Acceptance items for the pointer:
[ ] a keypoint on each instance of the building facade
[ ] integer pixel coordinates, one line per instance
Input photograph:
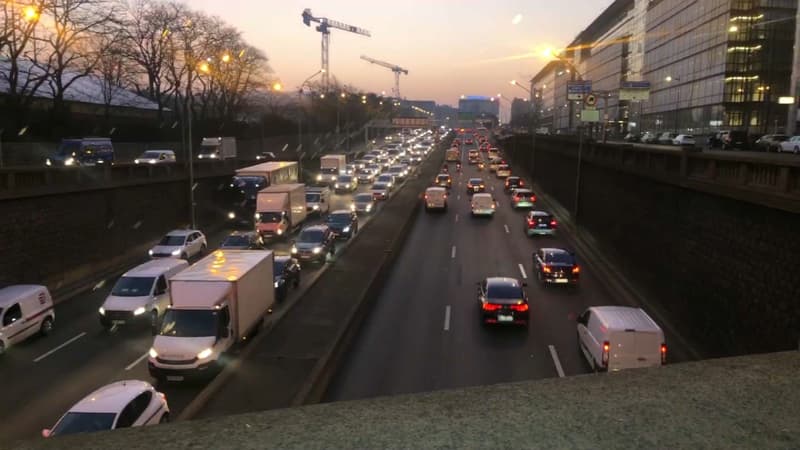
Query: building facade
(478, 106)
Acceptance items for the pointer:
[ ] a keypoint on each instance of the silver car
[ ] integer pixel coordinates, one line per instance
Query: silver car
(363, 203)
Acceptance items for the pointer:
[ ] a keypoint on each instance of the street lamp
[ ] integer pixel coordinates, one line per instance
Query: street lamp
(300, 115)
(670, 79)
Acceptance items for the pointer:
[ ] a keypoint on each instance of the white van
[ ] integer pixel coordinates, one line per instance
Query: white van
(25, 310)
(620, 337)
(140, 294)
(436, 198)
(483, 204)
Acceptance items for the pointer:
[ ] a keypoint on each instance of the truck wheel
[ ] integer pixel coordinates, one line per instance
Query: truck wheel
(47, 326)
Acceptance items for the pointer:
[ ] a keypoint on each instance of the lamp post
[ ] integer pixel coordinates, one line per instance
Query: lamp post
(670, 79)
(300, 114)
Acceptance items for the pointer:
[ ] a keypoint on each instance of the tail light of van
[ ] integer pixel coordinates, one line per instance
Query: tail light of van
(606, 350)
(490, 307)
(663, 353)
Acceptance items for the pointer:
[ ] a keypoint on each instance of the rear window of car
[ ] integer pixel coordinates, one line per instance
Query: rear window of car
(504, 291)
(559, 257)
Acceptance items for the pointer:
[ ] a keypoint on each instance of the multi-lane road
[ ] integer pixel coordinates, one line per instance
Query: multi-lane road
(424, 333)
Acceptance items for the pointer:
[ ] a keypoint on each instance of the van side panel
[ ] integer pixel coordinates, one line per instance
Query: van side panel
(254, 296)
(634, 349)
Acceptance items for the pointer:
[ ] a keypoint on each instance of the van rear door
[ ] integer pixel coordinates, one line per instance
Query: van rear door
(631, 349)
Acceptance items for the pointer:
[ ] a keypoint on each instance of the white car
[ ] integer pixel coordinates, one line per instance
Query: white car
(182, 244)
(156, 157)
(792, 145)
(683, 139)
(124, 404)
(483, 204)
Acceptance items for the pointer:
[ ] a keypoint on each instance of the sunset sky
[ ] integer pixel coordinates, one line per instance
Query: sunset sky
(450, 47)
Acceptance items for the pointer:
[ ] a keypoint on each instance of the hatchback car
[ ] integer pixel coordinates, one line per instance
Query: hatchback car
(242, 240)
(503, 301)
(475, 185)
(556, 265)
(182, 244)
(790, 145)
(314, 243)
(513, 183)
(343, 223)
(443, 180)
(286, 274)
(400, 172)
(365, 176)
(124, 404)
(523, 198)
(379, 191)
(363, 203)
(683, 139)
(540, 223)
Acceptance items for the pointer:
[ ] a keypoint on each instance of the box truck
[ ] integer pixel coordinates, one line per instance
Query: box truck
(453, 154)
(330, 166)
(217, 148)
(214, 304)
(280, 209)
(243, 188)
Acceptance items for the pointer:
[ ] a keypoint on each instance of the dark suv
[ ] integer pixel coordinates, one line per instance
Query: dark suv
(314, 244)
(556, 265)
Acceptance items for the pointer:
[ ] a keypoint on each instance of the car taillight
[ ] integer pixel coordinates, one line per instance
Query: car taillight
(576, 269)
(533, 198)
(490, 307)
(606, 350)
(546, 269)
(531, 223)
(553, 223)
(521, 183)
(663, 353)
(522, 307)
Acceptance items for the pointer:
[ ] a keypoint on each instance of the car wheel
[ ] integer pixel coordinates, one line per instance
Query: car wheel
(164, 418)
(46, 327)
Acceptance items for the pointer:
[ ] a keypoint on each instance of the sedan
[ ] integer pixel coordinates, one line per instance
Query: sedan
(556, 265)
(540, 223)
(770, 142)
(475, 185)
(791, 145)
(503, 301)
(182, 244)
(346, 183)
(513, 183)
(242, 240)
(379, 191)
(286, 273)
(503, 171)
(343, 223)
(365, 176)
(123, 404)
(683, 139)
(387, 179)
(363, 203)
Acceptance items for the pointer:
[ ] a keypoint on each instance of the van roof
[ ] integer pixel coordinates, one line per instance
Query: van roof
(155, 267)
(223, 265)
(12, 294)
(625, 317)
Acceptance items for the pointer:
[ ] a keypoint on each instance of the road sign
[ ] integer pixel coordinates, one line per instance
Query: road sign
(590, 100)
(634, 90)
(590, 115)
(577, 90)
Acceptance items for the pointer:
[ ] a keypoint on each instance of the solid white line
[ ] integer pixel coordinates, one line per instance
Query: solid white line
(453, 252)
(60, 347)
(556, 361)
(507, 230)
(522, 271)
(447, 318)
(138, 360)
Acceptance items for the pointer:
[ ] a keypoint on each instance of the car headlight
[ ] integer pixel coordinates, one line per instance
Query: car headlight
(150, 252)
(212, 156)
(346, 229)
(139, 311)
(294, 250)
(153, 353)
(336, 185)
(47, 162)
(176, 252)
(353, 207)
(257, 216)
(136, 161)
(369, 206)
(199, 156)
(319, 177)
(152, 161)
(315, 207)
(231, 215)
(317, 250)
(69, 161)
(205, 353)
(280, 231)
(276, 284)
(102, 311)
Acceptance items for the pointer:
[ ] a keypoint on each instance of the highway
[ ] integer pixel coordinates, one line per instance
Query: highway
(423, 333)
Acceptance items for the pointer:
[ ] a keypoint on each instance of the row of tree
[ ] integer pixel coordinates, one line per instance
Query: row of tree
(162, 50)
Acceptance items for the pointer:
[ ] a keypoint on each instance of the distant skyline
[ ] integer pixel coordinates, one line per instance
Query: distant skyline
(450, 47)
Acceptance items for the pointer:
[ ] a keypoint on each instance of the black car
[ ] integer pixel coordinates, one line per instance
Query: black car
(503, 301)
(343, 223)
(475, 185)
(556, 266)
(242, 240)
(314, 243)
(513, 183)
(734, 139)
(286, 273)
(443, 180)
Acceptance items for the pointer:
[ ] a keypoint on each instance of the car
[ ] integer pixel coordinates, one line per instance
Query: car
(242, 240)
(349, 169)
(345, 183)
(493, 152)
(388, 179)
(314, 243)
(156, 157)
(503, 171)
(443, 180)
(318, 200)
(286, 274)
(513, 183)
(734, 139)
(475, 185)
(399, 171)
(494, 163)
(648, 138)
(557, 266)
(26, 310)
(503, 300)
(540, 223)
(435, 198)
(523, 198)
(483, 204)
(122, 404)
(375, 168)
(632, 137)
(468, 141)
(770, 142)
(82, 152)
(380, 191)
(183, 244)
(343, 223)
(791, 145)
(363, 203)
(266, 156)
(667, 137)
(615, 338)
(365, 176)
(683, 139)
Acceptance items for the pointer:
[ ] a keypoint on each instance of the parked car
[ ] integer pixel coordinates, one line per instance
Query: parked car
(684, 139)
(649, 138)
(633, 137)
(770, 142)
(182, 244)
(667, 137)
(734, 139)
(791, 145)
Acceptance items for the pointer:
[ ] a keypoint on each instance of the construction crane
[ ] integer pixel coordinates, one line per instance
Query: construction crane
(324, 27)
(394, 68)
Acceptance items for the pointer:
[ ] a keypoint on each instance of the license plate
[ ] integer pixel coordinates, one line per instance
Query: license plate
(505, 318)
(542, 225)
(476, 189)
(174, 378)
(562, 280)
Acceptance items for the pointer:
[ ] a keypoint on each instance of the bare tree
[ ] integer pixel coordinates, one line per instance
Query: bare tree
(112, 68)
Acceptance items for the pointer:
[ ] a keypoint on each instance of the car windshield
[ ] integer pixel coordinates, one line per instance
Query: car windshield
(83, 422)
(345, 179)
(475, 181)
(443, 177)
(172, 241)
(385, 178)
(363, 198)
(339, 218)
(189, 323)
(133, 287)
(559, 257)
(497, 291)
(270, 217)
(313, 198)
(311, 236)
(236, 241)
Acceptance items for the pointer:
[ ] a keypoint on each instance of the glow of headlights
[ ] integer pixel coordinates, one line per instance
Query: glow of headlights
(205, 353)
(369, 206)
(212, 156)
(153, 353)
(346, 229)
(317, 250)
(47, 162)
(139, 311)
(102, 311)
(257, 216)
(231, 215)
(152, 161)
(176, 252)
(69, 161)
(315, 207)
(336, 185)
(276, 285)
(280, 232)
(294, 250)
(353, 207)
(319, 177)
(150, 252)
(136, 161)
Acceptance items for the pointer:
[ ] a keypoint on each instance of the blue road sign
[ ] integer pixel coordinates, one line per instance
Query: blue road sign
(576, 90)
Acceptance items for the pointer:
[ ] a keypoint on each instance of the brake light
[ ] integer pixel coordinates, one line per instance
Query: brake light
(522, 307)
(531, 223)
(426, 196)
(490, 307)
(533, 198)
(606, 350)
(546, 269)
(576, 269)
(521, 183)
(663, 353)
(553, 223)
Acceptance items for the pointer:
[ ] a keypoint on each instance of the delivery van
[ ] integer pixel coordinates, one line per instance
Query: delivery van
(25, 310)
